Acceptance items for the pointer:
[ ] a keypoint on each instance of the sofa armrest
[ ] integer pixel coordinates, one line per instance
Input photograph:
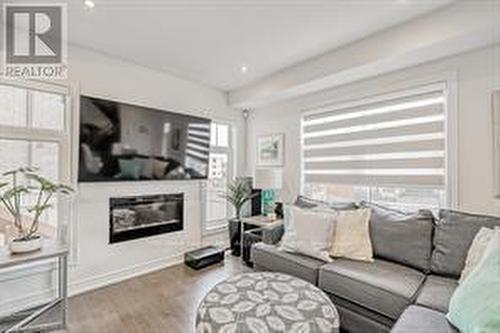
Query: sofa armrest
(272, 233)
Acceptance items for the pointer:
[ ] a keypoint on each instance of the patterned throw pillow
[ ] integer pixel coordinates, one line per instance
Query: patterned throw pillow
(351, 238)
(476, 251)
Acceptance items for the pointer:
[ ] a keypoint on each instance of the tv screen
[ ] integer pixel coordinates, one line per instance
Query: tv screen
(119, 141)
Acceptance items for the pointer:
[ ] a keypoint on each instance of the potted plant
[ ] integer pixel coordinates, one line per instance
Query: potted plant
(23, 182)
(238, 193)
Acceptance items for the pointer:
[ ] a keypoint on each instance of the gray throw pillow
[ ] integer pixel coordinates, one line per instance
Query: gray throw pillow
(453, 236)
(405, 238)
(308, 203)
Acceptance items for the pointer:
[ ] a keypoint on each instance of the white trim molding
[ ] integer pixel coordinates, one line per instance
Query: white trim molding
(90, 283)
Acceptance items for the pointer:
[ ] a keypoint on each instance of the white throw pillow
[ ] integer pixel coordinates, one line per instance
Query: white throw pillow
(476, 251)
(159, 168)
(351, 238)
(308, 232)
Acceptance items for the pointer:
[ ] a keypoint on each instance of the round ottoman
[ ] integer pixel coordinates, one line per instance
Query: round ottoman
(266, 302)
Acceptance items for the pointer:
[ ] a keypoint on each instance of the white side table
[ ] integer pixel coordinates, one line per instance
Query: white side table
(34, 322)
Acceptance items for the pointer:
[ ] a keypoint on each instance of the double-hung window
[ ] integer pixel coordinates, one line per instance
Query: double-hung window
(390, 149)
(34, 131)
(220, 172)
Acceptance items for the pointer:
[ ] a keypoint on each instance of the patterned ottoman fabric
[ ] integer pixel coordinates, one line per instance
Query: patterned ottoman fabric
(266, 302)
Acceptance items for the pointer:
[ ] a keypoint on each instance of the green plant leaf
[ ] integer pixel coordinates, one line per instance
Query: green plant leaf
(237, 194)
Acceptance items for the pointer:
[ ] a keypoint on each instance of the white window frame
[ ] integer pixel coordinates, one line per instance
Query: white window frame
(65, 139)
(449, 84)
(221, 225)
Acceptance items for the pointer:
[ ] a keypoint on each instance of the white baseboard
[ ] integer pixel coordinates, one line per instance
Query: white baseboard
(103, 280)
(33, 299)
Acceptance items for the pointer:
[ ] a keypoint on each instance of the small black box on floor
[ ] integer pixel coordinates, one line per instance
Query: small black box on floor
(204, 257)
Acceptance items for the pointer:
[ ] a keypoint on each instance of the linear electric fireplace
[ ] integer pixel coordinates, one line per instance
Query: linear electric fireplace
(142, 216)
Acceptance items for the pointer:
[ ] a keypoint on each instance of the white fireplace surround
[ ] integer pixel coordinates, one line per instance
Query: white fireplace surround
(100, 263)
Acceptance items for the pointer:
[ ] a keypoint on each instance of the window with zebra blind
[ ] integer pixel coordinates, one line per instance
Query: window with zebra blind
(390, 149)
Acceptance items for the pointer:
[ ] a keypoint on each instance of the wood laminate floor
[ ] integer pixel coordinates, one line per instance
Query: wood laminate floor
(163, 301)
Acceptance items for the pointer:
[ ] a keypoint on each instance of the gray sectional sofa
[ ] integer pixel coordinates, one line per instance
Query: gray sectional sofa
(418, 260)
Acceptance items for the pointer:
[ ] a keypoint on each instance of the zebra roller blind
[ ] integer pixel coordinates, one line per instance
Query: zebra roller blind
(198, 142)
(392, 141)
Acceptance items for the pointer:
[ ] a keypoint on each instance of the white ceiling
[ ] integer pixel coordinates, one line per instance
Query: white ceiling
(208, 41)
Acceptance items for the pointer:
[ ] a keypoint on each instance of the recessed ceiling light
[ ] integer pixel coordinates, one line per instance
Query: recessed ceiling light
(89, 3)
(244, 69)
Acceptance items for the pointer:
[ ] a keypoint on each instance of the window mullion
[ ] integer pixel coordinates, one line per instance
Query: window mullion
(219, 150)
(28, 109)
(32, 85)
(29, 123)
(19, 133)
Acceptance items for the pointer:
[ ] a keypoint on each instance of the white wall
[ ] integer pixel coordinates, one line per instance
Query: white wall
(477, 74)
(99, 263)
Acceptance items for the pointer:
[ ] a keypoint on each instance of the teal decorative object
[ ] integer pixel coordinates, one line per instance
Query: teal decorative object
(268, 180)
(475, 305)
(268, 201)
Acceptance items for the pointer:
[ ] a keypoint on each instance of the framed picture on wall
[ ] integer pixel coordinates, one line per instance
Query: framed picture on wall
(496, 141)
(270, 150)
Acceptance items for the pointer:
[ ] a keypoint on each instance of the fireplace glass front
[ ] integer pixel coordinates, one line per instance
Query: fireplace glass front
(143, 216)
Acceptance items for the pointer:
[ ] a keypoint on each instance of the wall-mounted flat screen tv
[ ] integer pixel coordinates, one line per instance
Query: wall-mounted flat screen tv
(119, 142)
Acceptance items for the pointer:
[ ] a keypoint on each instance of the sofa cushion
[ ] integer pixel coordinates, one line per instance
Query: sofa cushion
(381, 286)
(353, 321)
(405, 238)
(453, 236)
(368, 315)
(268, 257)
(436, 292)
(417, 319)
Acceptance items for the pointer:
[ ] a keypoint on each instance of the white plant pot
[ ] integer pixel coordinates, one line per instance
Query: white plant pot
(24, 246)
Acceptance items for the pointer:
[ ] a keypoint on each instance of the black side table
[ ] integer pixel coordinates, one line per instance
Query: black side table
(250, 237)
(258, 229)
(235, 235)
